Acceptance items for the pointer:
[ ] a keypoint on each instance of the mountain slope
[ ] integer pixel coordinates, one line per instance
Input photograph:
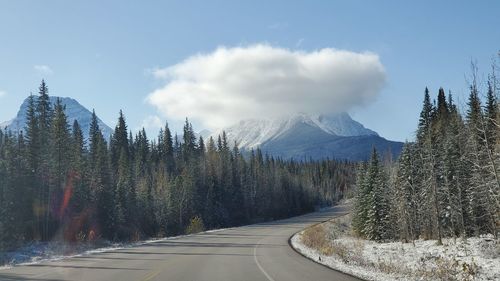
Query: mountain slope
(304, 136)
(74, 111)
(254, 132)
(304, 142)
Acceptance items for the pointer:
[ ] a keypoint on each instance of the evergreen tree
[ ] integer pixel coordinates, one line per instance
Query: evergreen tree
(60, 136)
(361, 205)
(189, 142)
(55, 185)
(33, 144)
(80, 200)
(425, 116)
(44, 114)
(168, 148)
(372, 211)
(119, 141)
(100, 182)
(408, 194)
(59, 183)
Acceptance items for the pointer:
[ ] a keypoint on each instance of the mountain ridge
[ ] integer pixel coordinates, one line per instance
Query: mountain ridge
(309, 136)
(295, 136)
(74, 111)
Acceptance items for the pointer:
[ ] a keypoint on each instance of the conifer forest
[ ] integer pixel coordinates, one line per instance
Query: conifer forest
(447, 182)
(57, 185)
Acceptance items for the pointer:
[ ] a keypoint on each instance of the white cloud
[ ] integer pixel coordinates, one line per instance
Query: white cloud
(151, 122)
(262, 81)
(43, 69)
(2, 93)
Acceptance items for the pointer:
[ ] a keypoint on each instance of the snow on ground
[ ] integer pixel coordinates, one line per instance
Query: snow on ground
(476, 258)
(332, 261)
(37, 252)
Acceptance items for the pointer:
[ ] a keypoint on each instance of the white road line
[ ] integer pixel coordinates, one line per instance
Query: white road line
(258, 264)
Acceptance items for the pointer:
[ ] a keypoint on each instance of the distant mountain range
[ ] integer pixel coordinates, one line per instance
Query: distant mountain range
(299, 136)
(74, 111)
(309, 136)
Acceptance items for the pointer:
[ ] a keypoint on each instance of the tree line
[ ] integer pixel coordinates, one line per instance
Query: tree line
(55, 184)
(447, 182)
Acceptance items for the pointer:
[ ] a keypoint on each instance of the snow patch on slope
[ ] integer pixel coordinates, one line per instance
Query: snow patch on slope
(252, 133)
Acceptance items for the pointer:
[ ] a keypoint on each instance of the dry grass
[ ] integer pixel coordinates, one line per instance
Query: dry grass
(342, 251)
(316, 238)
(446, 269)
(324, 239)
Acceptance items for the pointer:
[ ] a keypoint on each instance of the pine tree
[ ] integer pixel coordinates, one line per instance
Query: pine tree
(491, 113)
(124, 185)
(408, 194)
(33, 144)
(377, 225)
(119, 141)
(189, 142)
(361, 205)
(479, 191)
(100, 182)
(456, 174)
(124, 211)
(426, 161)
(44, 114)
(425, 116)
(81, 198)
(168, 148)
(60, 185)
(10, 194)
(32, 133)
(492, 143)
(44, 110)
(60, 143)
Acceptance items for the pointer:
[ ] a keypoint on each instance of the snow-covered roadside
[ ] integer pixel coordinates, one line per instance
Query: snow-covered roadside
(55, 250)
(333, 262)
(477, 258)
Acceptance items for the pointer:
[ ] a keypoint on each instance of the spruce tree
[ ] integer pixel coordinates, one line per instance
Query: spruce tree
(44, 112)
(119, 141)
(361, 205)
(408, 194)
(377, 224)
(100, 182)
(425, 116)
(81, 199)
(60, 136)
(168, 148)
(33, 144)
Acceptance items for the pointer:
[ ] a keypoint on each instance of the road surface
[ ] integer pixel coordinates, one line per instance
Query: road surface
(257, 252)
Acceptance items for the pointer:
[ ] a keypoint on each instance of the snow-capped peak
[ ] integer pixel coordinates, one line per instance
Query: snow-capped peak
(73, 109)
(252, 133)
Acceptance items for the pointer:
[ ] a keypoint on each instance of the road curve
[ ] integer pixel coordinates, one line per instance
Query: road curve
(257, 252)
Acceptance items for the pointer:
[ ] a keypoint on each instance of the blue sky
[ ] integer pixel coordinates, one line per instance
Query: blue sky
(102, 53)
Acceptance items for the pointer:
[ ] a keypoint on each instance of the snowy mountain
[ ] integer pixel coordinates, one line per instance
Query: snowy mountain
(74, 111)
(314, 136)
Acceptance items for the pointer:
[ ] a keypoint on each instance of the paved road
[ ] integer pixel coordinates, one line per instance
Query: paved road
(257, 252)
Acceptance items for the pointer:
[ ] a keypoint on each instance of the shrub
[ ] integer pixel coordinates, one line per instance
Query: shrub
(448, 269)
(196, 225)
(316, 238)
(341, 251)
